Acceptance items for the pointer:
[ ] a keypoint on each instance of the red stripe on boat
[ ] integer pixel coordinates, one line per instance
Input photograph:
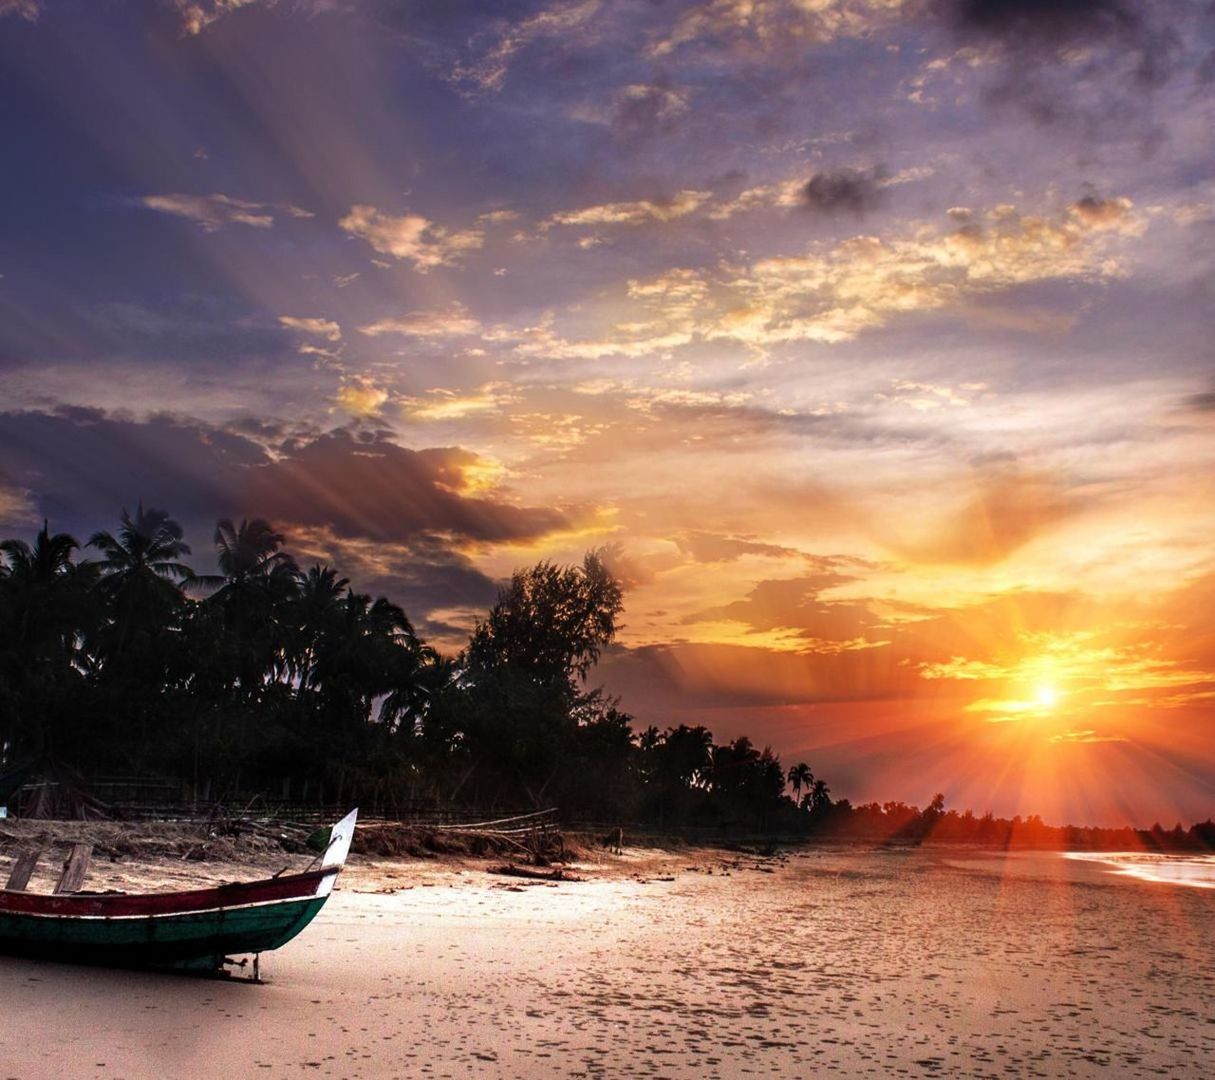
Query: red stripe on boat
(287, 887)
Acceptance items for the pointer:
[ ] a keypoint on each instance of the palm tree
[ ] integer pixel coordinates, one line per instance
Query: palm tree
(45, 594)
(313, 609)
(250, 551)
(800, 777)
(46, 607)
(49, 558)
(258, 583)
(364, 650)
(820, 797)
(140, 579)
(142, 560)
(689, 753)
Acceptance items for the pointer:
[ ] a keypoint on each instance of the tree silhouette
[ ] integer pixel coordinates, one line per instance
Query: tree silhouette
(800, 777)
(262, 678)
(551, 623)
(46, 604)
(254, 593)
(820, 797)
(140, 576)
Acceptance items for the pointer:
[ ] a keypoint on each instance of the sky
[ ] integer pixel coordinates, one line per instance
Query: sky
(869, 339)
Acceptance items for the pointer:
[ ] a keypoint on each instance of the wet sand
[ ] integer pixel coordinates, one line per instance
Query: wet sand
(840, 963)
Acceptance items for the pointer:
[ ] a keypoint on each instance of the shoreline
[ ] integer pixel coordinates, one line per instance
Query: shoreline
(142, 856)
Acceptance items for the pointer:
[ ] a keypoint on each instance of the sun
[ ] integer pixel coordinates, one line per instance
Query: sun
(1046, 697)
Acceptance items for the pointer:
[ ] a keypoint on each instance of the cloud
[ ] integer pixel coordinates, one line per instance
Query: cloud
(796, 608)
(212, 212)
(707, 547)
(1085, 735)
(26, 9)
(925, 397)
(1098, 213)
(634, 213)
(441, 405)
(17, 508)
(853, 191)
(323, 328)
(365, 486)
(1086, 61)
(1017, 21)
(648, 109)
(629, 341)
(410, 237)
(197, 15)
(827, 191)
(860, 283)
(499, 217)
(440, 588)
(832, 295)
(786, 194)
(79, 467)
(704, 679)
(1006, 508)
(487, 73)
(1203, 401)
(361, 396)
(455, 321)
(756, 29)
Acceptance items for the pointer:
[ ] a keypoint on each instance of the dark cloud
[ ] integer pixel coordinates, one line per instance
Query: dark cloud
(439, 587)
(82, 466)
(362, 485)
(1088, 63)
(1203, 401)
(851, 191)
(1097, 211)
(1049, 20)
(390, 518)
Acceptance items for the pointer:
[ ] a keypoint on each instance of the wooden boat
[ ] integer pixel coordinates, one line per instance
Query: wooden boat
(196, 930)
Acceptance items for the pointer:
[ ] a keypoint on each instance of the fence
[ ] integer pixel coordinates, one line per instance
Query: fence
(139, 799)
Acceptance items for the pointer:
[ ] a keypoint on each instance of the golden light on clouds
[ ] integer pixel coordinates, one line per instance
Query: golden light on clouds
(361, 397)
(410, 237)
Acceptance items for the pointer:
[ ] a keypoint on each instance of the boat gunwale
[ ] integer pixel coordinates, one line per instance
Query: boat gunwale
(210, 898)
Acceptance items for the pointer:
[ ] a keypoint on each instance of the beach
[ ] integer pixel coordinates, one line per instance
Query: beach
(826, 962)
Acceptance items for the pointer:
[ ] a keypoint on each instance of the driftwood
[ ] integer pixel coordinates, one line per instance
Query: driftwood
(558, 874)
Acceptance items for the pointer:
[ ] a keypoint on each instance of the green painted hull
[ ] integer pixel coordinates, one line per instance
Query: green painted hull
(194, 930)
(196, 941)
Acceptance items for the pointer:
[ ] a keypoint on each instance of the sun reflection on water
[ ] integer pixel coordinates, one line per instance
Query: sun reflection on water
(1197, 871)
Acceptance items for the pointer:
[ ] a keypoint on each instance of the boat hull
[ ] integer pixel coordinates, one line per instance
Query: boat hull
(199, 941)
(197, 929)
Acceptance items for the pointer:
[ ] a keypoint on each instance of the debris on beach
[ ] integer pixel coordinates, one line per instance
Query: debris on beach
(558, 873)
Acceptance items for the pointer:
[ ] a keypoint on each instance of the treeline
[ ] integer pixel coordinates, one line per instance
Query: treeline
(899, 823)
(118, 658)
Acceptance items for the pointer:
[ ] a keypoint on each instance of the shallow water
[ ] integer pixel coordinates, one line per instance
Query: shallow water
(1194, 870)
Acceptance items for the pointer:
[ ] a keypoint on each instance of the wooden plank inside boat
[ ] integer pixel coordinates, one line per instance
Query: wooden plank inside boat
(23, 868)
(74, 869)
